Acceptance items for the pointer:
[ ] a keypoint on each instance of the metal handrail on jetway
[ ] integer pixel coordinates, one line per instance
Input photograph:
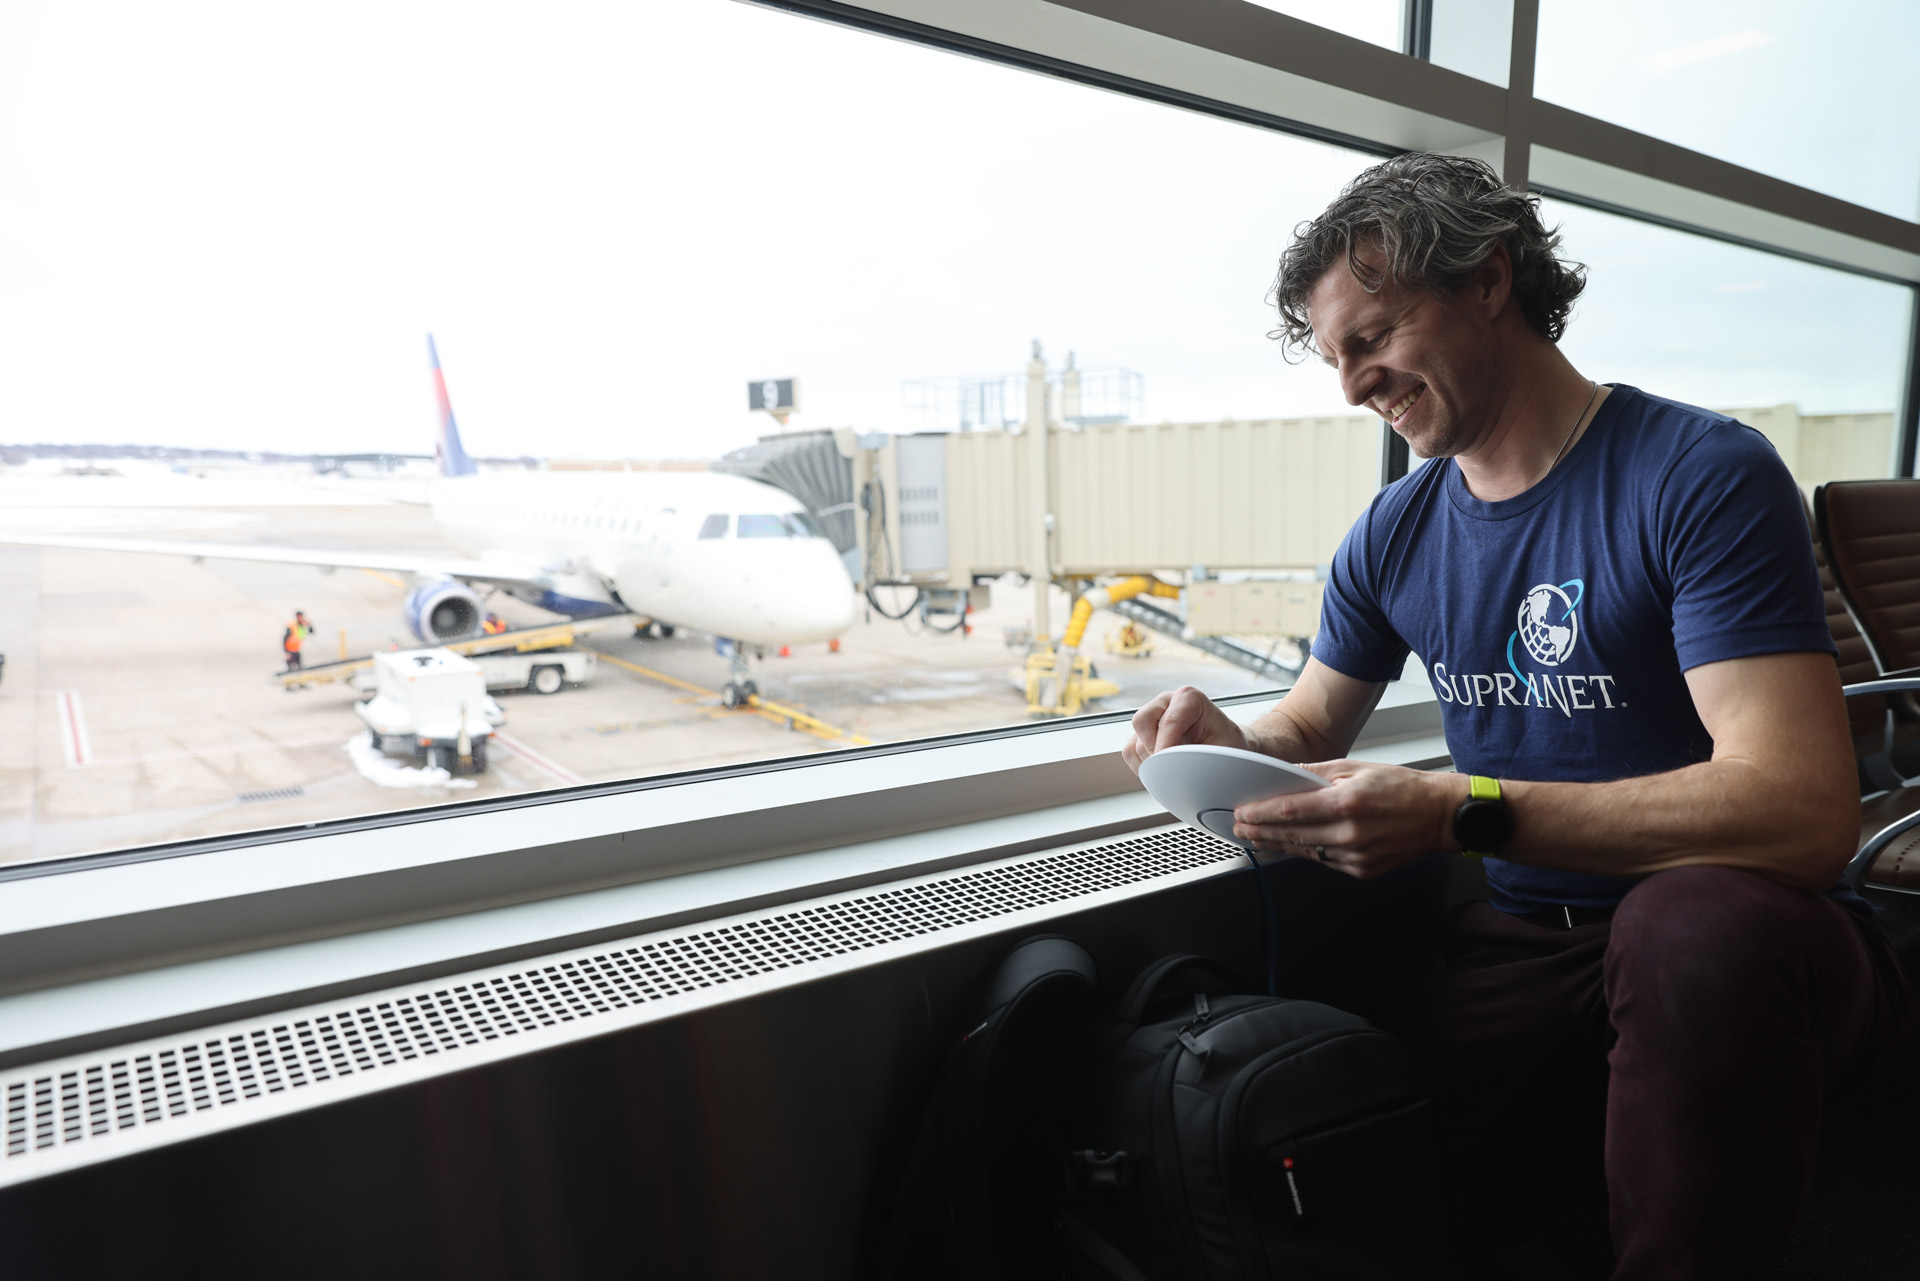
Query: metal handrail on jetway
(1219, 646)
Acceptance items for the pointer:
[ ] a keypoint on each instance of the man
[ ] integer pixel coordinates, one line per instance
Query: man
(1617, 604)
(294, 637)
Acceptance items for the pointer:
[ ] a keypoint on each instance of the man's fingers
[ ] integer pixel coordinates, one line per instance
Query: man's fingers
(1185, 708)
(1146, 724)
(1322, 805)
(1293, 838)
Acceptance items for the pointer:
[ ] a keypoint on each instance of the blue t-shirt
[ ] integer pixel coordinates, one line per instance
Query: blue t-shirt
(1556, 625)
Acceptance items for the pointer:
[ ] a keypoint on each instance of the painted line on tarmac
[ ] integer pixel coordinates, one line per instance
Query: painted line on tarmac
(534, 758)
(73, 729)
(778, 713)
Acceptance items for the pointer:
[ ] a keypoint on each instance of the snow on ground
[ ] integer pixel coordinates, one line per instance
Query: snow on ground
(383, 771)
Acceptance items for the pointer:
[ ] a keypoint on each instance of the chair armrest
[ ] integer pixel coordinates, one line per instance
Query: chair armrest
(1856, 873)
(1890, 685)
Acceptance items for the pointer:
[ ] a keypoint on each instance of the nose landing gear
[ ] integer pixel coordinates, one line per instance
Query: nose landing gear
(739, 691)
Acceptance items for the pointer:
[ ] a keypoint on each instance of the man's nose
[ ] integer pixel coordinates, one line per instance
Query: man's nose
(1358, 380)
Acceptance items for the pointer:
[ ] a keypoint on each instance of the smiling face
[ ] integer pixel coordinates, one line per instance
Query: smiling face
(1432, 366)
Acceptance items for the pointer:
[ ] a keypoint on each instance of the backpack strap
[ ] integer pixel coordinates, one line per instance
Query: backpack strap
(1150, 982)
(1034, 961)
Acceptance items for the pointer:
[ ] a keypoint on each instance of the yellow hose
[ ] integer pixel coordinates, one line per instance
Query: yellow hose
(1077, 625)
(1126, 589)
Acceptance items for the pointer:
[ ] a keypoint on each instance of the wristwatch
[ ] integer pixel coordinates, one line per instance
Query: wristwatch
(1483, 824)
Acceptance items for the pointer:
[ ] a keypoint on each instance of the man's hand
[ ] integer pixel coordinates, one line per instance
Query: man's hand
(1371, 819)
(1184, 715)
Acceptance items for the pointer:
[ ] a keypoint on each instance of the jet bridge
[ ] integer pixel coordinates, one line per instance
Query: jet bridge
(1236, 519)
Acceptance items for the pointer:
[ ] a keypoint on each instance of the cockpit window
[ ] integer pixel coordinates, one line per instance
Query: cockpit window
(803, 525)
(715, 526)
(764, 527)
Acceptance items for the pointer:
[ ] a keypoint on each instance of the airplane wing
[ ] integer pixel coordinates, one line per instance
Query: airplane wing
(503, 572)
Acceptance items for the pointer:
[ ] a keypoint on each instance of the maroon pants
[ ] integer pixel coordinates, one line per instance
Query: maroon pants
(1669, 1063)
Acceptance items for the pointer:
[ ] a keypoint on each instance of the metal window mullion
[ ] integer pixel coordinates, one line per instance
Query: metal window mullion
(1908, 434)
(1416, 39)
(1395, 459)
(1518, 149)
(1416, 42)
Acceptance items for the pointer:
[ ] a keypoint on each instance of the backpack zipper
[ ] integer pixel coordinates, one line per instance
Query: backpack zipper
(1166, 1156)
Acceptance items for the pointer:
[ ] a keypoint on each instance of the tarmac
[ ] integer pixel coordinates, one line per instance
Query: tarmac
(138, 704)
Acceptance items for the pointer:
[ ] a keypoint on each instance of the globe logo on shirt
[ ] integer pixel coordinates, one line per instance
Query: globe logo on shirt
(1548, 626)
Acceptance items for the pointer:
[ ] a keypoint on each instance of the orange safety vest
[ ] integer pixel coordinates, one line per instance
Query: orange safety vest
(291, 641)
(494, 626)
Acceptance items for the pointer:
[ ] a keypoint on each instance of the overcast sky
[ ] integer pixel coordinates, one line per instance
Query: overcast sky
(232, 225)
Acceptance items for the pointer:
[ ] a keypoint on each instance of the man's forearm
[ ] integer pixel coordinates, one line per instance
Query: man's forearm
(1318, 719)
(1278, 734)
(1730, 813)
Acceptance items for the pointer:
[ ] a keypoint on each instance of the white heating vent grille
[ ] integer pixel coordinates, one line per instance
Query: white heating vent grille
(73, 1111)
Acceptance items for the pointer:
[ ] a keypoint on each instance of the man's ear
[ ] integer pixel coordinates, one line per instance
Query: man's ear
(1491, 288)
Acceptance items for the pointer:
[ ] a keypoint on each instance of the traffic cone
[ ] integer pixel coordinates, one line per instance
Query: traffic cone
(786, 651)
(833, 646)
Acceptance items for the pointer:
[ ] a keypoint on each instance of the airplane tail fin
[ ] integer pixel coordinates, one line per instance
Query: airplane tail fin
(447, 450)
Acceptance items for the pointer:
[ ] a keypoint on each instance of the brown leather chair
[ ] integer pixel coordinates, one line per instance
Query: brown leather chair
(1868, 546)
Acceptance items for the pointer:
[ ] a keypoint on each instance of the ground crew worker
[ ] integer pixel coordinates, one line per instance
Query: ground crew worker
(493, 625)
(293, 637)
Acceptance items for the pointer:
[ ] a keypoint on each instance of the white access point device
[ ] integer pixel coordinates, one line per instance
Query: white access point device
(1202, 785)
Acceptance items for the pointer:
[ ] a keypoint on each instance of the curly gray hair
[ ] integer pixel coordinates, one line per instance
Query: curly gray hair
(1437, 219)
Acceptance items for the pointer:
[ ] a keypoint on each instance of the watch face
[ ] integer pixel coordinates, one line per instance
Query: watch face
(1483, 827)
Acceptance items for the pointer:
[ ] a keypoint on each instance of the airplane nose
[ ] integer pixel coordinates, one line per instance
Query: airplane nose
(838, 612)
(813, 600)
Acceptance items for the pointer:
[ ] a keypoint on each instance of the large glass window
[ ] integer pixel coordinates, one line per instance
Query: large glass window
(1812, 357)
(1381, 22)
(644, 237)
(1474, 37)
(1820, 95)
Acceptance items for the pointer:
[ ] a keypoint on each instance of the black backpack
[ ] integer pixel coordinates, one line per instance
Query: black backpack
(1198, 1135)
(979, 1195)
(1226, 1136)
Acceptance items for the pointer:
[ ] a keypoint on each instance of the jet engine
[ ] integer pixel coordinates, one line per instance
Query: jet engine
(442, 610)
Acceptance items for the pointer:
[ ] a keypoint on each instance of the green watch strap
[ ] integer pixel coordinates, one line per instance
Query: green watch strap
(1481, 788)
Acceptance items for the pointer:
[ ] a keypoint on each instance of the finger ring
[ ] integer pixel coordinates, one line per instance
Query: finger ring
(1320, 852)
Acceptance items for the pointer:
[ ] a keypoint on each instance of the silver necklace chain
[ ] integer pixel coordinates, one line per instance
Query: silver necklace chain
(1591, 395)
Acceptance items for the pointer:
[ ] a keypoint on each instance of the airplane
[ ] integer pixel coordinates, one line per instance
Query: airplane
(709, 552)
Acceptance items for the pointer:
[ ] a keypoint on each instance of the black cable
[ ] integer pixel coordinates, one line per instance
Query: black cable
(959, 621)
(874, 504)
(881, 610)
(1273, 922)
